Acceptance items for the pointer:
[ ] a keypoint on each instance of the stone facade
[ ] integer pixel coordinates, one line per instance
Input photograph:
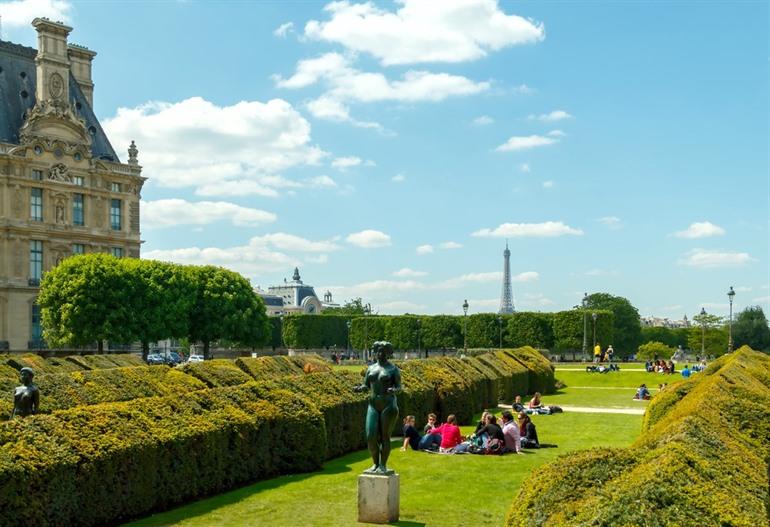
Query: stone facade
(63, 190)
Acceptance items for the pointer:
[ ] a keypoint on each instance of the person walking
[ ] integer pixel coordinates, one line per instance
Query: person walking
(597, 353)
(610, 353)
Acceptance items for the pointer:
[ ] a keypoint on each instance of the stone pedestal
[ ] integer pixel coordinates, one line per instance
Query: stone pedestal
(378, 498)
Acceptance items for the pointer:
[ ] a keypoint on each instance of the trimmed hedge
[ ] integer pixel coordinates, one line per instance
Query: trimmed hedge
(540, 370)
(514, 375)
(271, 367)
(216, 373)
(40, 364)
(113, 461)
(98, 362)
(702, 459)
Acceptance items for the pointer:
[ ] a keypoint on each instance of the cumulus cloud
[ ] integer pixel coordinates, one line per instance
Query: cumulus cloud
(551, 117)
(483, 120)
(20, 13)
(527, 276)
(197, 143)
(409, 273)
(517, 143)
(321, 182)
(546, 229)
(485, 277)
(611, 222)
(399, 306)
(703, 229)
(173, 212)
(450, 245)
(291, 242)
(284, 29)
(343, 163)
(556, 133)
(707, 258)
(424, 249)
(418, 31)
(398, 178)
(369, 239)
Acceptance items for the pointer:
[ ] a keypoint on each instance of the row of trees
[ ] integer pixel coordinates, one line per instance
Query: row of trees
(97, 297)
(562, 330)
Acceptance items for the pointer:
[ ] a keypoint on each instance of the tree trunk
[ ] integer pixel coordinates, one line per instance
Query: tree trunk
(206, 346)
(100, 346)
(145, 350)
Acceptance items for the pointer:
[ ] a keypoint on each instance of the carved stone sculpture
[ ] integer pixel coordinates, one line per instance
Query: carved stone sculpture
(59, 172)
(383, 380)
(26, 398)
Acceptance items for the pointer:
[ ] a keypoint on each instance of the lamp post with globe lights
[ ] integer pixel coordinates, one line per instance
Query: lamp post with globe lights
(730, 295)
(584, 303)
(593, 316)
(703, 332)
(465, 325)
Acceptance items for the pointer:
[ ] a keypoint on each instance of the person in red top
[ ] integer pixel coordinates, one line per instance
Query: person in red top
(450, 434)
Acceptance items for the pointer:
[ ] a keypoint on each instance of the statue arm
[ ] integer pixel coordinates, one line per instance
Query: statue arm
(396, 383)
(364, 386)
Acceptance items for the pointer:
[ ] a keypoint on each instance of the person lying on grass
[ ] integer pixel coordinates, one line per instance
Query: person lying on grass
(528, 432)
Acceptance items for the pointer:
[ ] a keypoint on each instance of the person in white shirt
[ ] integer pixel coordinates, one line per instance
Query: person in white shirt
(511, 433)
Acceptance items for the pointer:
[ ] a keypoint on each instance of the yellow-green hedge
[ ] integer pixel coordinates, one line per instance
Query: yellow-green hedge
(278, 366)
(113, 461)
(96, 362)
(541, 372)
(217, 372)
(702, 459)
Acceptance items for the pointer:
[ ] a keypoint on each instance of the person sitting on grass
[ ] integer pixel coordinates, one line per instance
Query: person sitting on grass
(450, 434)
(642, 394)
(482, 422)
(430, 425)
(432, 438)
(535, 402)
(411, 435)
(491, 430)
(517, 404)
(686, 371)
(511, 433)
(528, 432)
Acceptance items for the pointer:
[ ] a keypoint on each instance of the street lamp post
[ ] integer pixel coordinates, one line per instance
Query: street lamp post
(367, 311)
(500, 323)
(702, 332)
(349, 324)
(593, 316)
(730, 295)
(465, 325)
(418, 340)
(585, 323)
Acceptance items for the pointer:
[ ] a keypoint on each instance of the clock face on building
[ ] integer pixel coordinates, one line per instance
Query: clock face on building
(56, 86)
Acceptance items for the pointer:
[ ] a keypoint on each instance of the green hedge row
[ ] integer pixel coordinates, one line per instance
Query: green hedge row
(67, 364)
(702, 459)
(114, 461)
(562, 330)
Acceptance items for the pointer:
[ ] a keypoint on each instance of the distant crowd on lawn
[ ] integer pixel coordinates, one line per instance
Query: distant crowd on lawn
(661, 366)
(509, 433)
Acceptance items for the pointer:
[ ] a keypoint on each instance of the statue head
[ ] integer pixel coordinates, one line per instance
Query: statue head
(383, 349)
(26, 374)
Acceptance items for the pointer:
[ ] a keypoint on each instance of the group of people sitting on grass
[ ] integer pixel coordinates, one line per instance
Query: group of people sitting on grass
(492, 435)
(660, 366)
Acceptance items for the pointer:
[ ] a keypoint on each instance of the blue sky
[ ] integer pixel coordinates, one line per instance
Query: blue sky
(389, 149)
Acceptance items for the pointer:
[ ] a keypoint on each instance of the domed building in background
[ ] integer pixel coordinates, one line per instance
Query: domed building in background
(294, 297)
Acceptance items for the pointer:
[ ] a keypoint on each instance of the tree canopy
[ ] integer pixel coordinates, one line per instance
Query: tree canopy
(627, 327)
(750, 328)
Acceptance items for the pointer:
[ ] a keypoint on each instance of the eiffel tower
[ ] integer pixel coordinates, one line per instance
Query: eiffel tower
(506, 299)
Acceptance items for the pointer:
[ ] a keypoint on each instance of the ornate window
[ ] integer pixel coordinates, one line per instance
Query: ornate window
(36, 334)
(117, 252)
(35, 261)
(78, 217)
(37, 175)
(78, 248)
(115, 187)
(36, 205)
(80, 181)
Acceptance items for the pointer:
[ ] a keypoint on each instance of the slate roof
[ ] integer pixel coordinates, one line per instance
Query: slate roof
(18, 76)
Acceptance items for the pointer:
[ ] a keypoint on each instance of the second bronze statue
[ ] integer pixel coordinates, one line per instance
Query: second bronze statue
(383, 380)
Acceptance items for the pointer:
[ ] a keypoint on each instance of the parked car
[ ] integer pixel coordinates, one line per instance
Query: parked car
(173, 358)
(155, 358)
(195, 358)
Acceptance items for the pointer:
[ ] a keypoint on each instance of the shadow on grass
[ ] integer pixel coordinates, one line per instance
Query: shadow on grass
(408, 524)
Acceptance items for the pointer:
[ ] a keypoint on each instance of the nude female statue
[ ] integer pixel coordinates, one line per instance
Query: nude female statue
(383, 380)
(26, 398)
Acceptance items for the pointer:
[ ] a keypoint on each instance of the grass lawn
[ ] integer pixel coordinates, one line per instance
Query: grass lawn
(436, 490)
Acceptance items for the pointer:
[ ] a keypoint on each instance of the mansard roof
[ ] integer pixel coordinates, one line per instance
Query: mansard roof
(18, 77)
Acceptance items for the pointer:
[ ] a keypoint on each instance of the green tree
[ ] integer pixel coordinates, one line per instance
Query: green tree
(708, 332)
(626, 323)
(654, 351)
(530, 329)
(351, 308)
(226, 307)
(568, 327)
(750, 328)
(441, 332)
(87, 299)
(484, 330)
(673, 337)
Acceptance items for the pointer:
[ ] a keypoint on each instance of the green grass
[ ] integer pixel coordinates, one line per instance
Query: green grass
(436, 490)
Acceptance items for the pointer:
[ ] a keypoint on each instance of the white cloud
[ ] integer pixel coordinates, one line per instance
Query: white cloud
(409, 273)
(551, 117)
(761, 299)
(424, 249)
(483, 120)
(284, 29)
(535, 300)
(556, 133)
(369, 239)
(197, 143)
(523, 89)
(342, 163)
(290, 242)
(703, 229)
(742, 289)
(517, 143)
(398, 178)
(527, 276)
(524, 167)
(546, 229)
(714, 258)
(236, 188)
(173, 212)
(611, 222)
(20, 13)
(450, 245)
(548, 184)
(420, 31)
(321, 182)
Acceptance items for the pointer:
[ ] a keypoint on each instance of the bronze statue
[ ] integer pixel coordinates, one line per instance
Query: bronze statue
(383, 380)
(26, 398)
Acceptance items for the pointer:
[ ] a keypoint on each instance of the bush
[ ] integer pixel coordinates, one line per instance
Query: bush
(530, 329)
(216, 373)
(654, 350)
(114, 461)
(540, 371)
(262, 368)
(96, 362)
(702, 459)
(39, 364)
(514, 375)
(312, 331)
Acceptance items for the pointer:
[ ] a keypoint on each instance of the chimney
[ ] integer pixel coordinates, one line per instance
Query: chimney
(80, 58)
(53, 64)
